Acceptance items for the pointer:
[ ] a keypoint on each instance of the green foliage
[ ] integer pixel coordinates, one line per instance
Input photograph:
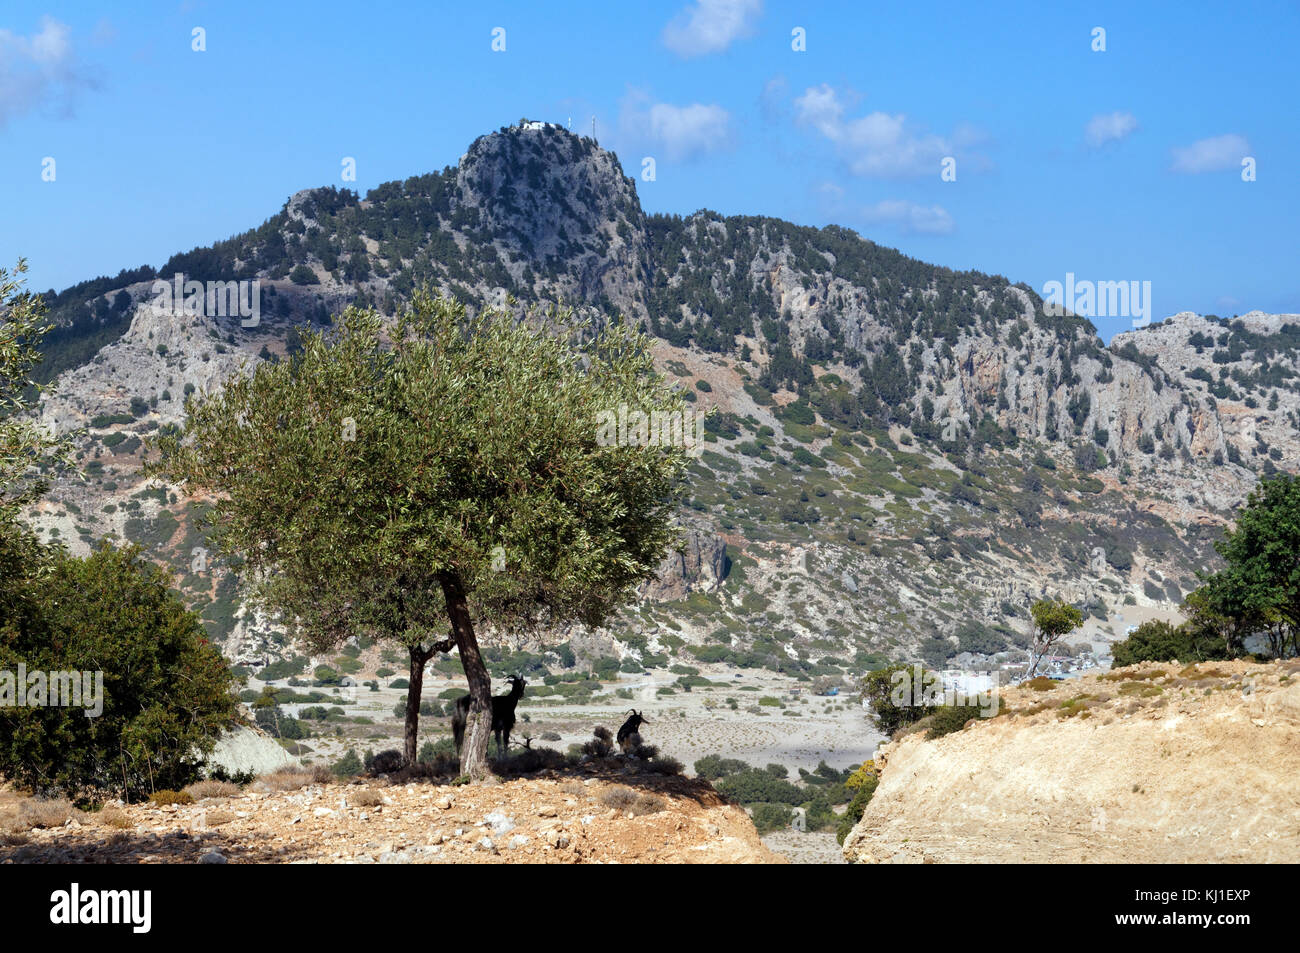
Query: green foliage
(878, 687)
(771, 817)
(865, 791)
(279, 725)
(348, 765)
(1157, 641)
(755, 785)
(949, 718)
(1052, 622)
(166, 691)
(980, 639)
(25, 446)
(713, 767)
(283, 668)
(1258, 590)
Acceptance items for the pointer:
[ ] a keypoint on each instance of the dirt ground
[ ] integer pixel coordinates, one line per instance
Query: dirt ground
(579, 814)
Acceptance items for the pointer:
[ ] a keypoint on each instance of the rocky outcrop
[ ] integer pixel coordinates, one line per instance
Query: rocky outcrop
(244, 750)
(700, 563)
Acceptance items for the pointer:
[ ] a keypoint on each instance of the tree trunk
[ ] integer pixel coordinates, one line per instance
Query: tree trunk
(419, 656)
(478, 727)
(1034, 657)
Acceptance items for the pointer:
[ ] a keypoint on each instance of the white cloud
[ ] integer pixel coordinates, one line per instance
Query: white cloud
(1216, 154)
(877, 144)
(688, 131)
(710, 26)
(1109, 127)
(36, 69)
(910, 217)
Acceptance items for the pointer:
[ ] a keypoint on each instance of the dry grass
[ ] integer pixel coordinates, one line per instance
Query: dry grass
(1032, 709)
(110, 815)
(365, 797)
(618, 797)
(1123, 675)
(289, 780)
(625, 800)
(33, 813)
(1194, 673)
(1139, 690)
(171, 797)
(1040, 684)
(205, 789)
(649, 804)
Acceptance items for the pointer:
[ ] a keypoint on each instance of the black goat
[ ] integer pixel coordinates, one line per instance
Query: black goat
(629, 736)
(503, 715)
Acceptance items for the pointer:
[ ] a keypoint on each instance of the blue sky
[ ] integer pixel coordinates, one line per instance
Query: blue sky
(1115, 165)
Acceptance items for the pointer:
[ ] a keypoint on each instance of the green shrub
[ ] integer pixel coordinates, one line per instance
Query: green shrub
(167, 692)
(856, 807)
(347, 766)
(878, 687)
(712, 767)
(1157, 641)
(755, 784)
(950, 718)
(771, 817)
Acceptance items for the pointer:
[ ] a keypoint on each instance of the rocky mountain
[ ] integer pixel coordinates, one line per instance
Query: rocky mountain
(901, 456)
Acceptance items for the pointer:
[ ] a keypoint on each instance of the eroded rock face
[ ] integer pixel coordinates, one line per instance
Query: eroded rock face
(700, 564)
(243, 749)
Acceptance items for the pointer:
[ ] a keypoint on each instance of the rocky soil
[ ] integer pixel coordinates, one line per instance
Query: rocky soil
(585, 814)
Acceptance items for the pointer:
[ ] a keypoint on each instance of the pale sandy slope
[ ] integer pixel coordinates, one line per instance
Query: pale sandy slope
(1187, 765)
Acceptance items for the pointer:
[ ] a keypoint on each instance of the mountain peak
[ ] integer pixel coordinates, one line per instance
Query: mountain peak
(552, 202)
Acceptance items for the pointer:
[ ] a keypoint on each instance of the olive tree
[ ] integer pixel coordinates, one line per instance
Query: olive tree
(417, 479)
(24, 445)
